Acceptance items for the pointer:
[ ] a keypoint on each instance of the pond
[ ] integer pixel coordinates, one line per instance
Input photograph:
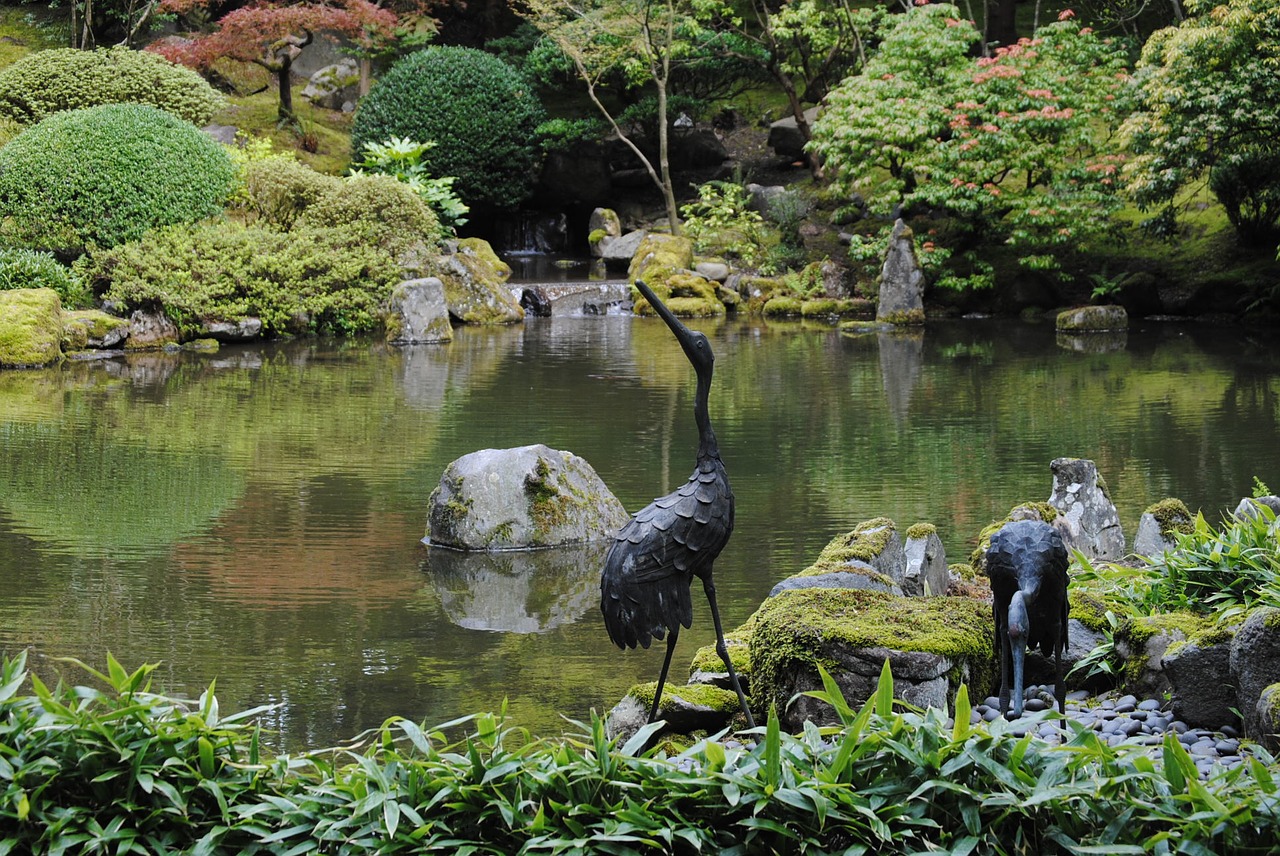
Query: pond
(254, 516)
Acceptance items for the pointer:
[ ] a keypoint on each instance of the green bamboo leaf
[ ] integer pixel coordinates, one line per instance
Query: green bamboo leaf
(1176, 763)
(884, 691)
(391, 817)
(960, 730)
(207, 766)
(640, 739)
(772, 752)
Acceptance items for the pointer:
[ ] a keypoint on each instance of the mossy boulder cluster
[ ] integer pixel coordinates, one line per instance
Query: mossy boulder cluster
(852, 611)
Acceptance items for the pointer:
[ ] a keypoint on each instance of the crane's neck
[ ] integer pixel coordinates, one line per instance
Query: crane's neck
(707, 447)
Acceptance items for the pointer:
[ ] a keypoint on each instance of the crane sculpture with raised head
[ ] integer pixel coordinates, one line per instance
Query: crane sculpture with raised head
(1027, 565)
(645, 587)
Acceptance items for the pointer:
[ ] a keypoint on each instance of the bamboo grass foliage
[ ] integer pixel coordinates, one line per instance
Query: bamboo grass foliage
(125, 770)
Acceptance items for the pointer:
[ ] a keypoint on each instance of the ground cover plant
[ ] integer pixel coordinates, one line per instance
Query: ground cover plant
(120, 768)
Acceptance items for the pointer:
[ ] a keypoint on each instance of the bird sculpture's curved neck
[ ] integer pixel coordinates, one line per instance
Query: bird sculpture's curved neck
(707, 447)
(697, 348)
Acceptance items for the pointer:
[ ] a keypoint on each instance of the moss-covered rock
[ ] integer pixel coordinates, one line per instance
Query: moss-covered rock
(658, 257)
(783, 306)
(686, 709)
(1142, 641)
(706, 667)
(92, 328)
(685, 294)
(1160, 525)
(30, 327)
(932, 644)
(474, 285)
(1090, 319)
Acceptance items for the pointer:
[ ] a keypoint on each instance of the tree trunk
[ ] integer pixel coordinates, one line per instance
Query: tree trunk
(286, 91)
(1002, 29)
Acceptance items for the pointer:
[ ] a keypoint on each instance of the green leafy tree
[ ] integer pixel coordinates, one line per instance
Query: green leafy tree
(1208, 111)
(805, 46)
(643, 41)
(1014, 147)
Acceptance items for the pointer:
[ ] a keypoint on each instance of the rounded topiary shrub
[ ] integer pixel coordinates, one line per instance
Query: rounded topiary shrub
(378, 209)
(479, 112)
(50, 81)
(21, 268)
(105, 175)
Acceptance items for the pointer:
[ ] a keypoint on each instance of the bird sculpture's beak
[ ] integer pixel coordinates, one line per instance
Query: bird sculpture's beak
(681, 331)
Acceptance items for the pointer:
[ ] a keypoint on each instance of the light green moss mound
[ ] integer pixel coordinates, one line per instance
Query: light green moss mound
(738, 644)
(1091, 319)
(697, 695)
(658, 258)
(483, 250)
(792, 629)
(30, 327)
(1172, 516)
(783, 306)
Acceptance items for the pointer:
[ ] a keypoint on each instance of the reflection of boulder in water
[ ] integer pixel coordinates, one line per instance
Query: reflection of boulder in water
(901, 361)
(525, 591)
(1094, 343)
(427, 373)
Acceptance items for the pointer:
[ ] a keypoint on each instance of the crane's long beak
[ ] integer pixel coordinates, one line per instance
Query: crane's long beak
(681, 331)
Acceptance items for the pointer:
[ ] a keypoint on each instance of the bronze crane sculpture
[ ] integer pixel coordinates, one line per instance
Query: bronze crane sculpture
(1027, 565)
(644, 589)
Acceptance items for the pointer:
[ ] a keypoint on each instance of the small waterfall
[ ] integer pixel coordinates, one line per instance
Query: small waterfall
(533, 233)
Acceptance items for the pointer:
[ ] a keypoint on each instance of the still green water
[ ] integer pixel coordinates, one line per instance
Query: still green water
(255, 516)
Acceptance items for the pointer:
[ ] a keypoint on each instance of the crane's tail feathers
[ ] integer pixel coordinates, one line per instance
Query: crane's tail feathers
(635, 612)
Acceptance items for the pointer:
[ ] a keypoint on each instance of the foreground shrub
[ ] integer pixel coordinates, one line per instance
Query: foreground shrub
(276, 190)
(376, 209)
(479, 112)
(21, 268)
(105, 175)
(308, 280)
(124, 769)
(49, 81)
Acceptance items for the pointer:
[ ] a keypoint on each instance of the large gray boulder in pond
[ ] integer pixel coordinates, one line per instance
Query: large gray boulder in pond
(901, 280)
(1093, 319)
(1255, 663)
(515, 499)
(1087, 518)
(418, 313)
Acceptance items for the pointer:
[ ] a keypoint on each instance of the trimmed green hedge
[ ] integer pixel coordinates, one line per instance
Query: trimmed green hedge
(50, 81)
(480, 113)
(105, 175)
(121, 769)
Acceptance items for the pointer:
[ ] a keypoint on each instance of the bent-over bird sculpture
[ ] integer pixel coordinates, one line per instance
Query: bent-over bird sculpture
(1027, 565)
(644, 589)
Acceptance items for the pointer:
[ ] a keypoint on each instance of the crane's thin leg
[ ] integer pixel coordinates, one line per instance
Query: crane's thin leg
(723, 650)
(666, 664)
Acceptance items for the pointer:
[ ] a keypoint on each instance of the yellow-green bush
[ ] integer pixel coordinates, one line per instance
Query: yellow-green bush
(50, 81)
(376, 208)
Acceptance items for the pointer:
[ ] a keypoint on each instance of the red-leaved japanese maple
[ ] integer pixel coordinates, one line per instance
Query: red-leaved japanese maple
(273, 34)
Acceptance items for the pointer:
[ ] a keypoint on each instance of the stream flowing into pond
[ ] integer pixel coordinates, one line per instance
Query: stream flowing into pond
(254, 516)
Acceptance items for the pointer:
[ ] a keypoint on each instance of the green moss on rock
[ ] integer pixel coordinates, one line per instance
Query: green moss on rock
(1171, 515)
(921, 530)
(30, 327)
(905, 318)
(792, 629)
(782, 306)
(705, 659)
(482, 250)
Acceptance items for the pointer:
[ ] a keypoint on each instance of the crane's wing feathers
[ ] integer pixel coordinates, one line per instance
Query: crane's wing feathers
(645, 585)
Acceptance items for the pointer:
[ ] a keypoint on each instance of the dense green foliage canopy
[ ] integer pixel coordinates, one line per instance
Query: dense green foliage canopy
(1013, 146)
(104, 175)
(1209, 105)
(477, 110)
(47, 81)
